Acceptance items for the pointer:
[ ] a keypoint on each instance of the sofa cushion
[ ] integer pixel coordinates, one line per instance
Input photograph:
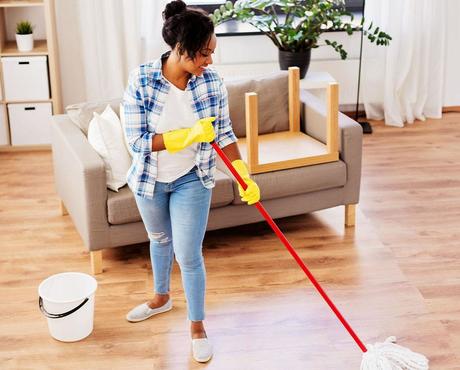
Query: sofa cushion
(82, 113)
(299, 180)
(105, 135)
(122, 208)
(273, 98)
(125, 138)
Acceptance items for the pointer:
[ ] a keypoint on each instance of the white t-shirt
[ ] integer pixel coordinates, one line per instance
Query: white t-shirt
(177, 113)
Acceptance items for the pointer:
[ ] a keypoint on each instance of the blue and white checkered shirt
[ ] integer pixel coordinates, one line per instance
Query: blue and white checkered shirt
(143, 103)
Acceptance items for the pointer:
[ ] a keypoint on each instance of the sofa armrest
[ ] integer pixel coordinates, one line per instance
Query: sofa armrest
(313, 123)
(80, 180)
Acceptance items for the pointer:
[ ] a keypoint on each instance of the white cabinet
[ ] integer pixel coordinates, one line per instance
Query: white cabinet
(25, 78)
(30, 123)
(30, 90)
(4, 135)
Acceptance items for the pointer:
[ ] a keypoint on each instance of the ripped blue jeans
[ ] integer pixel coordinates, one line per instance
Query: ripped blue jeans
(176, 220)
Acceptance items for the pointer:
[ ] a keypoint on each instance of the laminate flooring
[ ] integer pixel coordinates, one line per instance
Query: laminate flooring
(397, 272)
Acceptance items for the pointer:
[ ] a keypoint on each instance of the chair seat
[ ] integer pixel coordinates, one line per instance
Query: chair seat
(122, 208)
(293, 181)
(286, 149)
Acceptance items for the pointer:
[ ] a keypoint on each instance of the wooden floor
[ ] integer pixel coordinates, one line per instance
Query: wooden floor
(396, 273)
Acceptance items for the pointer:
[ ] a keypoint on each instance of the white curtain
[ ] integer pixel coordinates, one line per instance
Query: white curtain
(405, 81)
(116, 36)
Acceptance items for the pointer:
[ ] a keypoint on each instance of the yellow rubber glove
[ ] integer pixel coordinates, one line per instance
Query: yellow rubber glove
(252, 193)
(201, 131)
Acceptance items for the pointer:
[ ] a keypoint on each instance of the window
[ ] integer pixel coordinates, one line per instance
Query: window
(204, 2)
(355, 5)
(210, 5)
(235, 28)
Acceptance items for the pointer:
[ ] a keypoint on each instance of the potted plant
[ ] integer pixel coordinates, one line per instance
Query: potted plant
(24, 36)
(295, 26)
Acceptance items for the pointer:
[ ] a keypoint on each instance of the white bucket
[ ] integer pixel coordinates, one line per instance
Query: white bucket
(67, 300)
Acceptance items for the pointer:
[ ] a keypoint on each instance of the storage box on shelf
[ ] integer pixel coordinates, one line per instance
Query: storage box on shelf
(25, 78)
(30, 123)
(30, 85)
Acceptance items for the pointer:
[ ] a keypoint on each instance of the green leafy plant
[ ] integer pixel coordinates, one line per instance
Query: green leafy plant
(24, 28)
(301, 24)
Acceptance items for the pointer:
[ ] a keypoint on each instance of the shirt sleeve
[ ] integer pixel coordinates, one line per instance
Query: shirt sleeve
(226, 135)
(136, 128)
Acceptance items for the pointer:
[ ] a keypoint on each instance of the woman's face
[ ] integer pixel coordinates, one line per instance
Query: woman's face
(202, 58)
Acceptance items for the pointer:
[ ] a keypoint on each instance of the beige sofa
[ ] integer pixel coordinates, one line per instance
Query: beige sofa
(107, 219)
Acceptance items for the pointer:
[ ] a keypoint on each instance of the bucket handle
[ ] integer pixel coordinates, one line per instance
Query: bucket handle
(59, 315)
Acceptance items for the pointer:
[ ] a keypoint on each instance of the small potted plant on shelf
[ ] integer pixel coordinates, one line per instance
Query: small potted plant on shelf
(24, 36)
(295, 26)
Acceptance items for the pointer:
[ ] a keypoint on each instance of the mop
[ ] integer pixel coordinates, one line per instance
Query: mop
(380, 356)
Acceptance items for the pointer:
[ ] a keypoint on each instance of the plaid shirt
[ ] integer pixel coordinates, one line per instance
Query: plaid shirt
(143, 102)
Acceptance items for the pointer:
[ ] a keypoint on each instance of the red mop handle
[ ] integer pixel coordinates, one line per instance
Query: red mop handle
(291, 250)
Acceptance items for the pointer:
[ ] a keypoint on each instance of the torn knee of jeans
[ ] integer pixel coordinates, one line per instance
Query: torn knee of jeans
(160, 237)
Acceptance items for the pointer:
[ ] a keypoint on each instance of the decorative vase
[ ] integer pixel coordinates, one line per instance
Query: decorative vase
(295, 59)
(25, 42)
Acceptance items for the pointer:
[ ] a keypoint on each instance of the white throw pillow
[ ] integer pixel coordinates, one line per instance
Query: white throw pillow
(122, 120)
(106, 137)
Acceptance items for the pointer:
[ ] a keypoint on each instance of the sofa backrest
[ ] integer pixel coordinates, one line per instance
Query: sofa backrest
(273, 95)
(272, 90)
(82, 113)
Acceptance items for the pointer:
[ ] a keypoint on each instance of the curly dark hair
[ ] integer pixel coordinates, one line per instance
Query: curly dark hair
(190, 28)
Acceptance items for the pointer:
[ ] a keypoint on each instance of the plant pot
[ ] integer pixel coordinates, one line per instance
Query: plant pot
(25, 42)
(295, 59)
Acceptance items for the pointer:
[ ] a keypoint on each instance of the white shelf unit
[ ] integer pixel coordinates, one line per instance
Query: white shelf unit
(16, 132)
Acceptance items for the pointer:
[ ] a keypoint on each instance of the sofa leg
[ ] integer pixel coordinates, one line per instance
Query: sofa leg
(96, 262)
(63, 209)
(350, 214)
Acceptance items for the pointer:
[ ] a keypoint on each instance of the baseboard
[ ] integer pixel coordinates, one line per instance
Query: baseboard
(352, 114)
(345, 109)
(25, 148)
(455, 108)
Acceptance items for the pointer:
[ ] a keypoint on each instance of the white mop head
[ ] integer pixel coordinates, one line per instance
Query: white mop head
(390, 356)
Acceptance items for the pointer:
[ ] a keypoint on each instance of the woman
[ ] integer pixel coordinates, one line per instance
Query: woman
(174, 107)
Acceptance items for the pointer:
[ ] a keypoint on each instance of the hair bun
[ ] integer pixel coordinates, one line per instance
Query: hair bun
(173, 8)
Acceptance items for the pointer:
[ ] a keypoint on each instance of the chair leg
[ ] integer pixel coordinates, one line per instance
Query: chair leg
(96, 262)
(350, 214)
(63, 209)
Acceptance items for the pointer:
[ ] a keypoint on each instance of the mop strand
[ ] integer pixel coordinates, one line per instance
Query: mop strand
(381, 356)
(390, 356)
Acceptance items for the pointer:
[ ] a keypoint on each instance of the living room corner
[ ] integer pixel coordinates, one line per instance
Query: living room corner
(245, 184)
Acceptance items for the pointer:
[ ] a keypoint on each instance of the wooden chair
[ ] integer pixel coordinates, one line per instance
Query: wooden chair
(293, 148)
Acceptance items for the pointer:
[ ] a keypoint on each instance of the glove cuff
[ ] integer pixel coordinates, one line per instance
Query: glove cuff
(241, 168)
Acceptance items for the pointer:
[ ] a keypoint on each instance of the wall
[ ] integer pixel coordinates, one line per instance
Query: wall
(238, 55)
(32, 14)
(252, 55)
(452, 68)
(70, 52)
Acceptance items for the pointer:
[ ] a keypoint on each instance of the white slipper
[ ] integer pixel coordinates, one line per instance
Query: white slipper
(201, 349)
(143, 311)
